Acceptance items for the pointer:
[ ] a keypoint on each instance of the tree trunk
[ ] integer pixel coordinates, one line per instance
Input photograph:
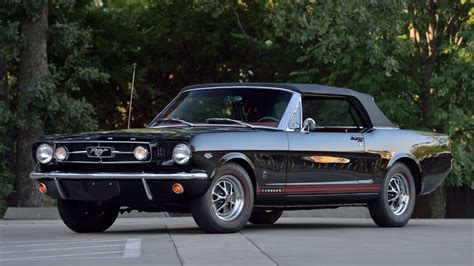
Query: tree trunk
(5, 156)
(33, 68)
(4, 88)
(6, 132)
(438, 203)
(422, 69)
(432, 205)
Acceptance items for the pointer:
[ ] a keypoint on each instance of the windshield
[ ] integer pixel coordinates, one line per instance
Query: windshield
(256, 107)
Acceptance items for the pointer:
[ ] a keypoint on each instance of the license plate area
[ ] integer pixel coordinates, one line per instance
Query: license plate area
(92, 190)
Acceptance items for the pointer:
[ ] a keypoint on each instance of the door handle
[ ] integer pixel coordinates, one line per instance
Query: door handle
(357, 138)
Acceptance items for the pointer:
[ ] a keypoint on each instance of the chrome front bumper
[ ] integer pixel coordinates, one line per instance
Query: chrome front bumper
(144, 177)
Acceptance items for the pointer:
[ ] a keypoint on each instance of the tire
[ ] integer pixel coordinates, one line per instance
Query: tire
(86, 217)
(214, 211)
(397, 213)
(265, 216)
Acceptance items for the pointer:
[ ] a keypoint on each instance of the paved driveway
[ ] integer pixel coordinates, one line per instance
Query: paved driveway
(292, 241)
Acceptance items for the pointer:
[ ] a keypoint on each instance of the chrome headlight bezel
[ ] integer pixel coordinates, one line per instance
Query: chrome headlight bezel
(141, 153)
(182, 153)
(44, 153)
(61, 153)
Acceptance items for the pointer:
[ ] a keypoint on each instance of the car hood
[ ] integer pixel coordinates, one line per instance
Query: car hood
(147, 134)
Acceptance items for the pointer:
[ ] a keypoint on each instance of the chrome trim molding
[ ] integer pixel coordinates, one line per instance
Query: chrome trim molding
(147, 189)
(61, 192)
(216, 125)
(290, 110)
(113, 162)
(110, 146)
(297, 109)
(147, 176)
(360, 182)
(77, 152)
(99, 141)
(385, 128)
(243, 86)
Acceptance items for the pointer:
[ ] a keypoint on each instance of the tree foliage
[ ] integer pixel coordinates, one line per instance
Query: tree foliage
(56, 103)
(175, 43)
(414, 56)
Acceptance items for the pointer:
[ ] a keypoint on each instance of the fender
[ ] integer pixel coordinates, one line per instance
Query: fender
(402, 155)
(232, 156)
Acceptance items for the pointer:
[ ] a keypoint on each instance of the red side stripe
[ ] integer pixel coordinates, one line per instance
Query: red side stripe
(326, 189)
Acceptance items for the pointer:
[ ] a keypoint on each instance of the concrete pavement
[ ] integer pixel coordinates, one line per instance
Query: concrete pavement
(292, 241)
(51, 213)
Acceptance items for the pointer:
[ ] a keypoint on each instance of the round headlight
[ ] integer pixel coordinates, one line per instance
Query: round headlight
(140, 153)
(60, 154)
(181, 153)
(44, 153)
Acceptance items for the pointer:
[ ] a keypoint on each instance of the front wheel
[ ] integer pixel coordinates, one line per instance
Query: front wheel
(227, 204)
(395, 204)
(86, 217)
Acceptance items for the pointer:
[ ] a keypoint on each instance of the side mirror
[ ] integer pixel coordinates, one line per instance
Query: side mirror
(309, 125)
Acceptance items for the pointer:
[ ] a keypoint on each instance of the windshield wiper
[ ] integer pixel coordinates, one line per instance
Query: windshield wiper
(175, 120)
(222, 119)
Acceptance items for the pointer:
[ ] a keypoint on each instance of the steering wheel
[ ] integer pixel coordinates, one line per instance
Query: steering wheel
(272, 119)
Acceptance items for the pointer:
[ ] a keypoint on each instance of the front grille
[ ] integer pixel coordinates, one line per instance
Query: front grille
(104, 152)
(165, 150)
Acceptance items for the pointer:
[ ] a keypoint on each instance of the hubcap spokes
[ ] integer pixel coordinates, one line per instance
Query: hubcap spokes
(398, 194)
(228, 198)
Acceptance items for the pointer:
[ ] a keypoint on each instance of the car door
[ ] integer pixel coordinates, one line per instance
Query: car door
(331, 158)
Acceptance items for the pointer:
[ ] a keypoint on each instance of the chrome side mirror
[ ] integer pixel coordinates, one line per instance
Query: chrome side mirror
(309, 125)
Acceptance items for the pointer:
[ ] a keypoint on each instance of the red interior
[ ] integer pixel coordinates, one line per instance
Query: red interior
(264, 124)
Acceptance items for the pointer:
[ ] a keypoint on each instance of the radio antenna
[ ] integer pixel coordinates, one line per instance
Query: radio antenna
(131, 96)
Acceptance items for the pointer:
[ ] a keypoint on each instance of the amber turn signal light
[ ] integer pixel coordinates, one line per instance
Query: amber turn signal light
(42, 188)
(177, 188)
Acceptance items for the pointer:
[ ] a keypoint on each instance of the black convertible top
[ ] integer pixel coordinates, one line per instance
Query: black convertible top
(377, 118)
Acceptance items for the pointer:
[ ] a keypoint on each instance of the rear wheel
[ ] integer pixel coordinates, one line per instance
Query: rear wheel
(395, 204)
(265, 216)
(86, 217)
(227, 204)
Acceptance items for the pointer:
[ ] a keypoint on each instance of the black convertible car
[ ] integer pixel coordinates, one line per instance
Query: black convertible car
(233, 153)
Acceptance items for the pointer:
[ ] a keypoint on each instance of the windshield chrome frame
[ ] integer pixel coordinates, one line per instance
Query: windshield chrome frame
(297, 109)
(285, 119)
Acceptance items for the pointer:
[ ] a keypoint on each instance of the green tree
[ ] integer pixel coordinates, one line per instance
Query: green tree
(415, 57)
(43, 65)
(175, 44)
(33, 69)
(8, 53)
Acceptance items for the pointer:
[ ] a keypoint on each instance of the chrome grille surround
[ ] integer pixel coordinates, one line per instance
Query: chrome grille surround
(114, 152)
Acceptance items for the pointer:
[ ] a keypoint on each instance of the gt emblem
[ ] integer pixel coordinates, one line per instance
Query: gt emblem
(99, 152)
(271, 190)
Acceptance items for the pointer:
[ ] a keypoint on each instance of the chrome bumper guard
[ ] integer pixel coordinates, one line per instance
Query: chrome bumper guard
(56, 176)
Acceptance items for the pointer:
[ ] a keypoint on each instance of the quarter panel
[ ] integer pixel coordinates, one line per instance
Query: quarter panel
(431, 151)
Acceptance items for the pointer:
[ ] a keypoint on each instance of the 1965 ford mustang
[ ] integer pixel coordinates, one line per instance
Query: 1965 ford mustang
(233, 153)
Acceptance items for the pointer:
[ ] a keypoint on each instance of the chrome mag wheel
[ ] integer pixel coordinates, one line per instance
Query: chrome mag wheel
(228, 198)
(398, 194)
